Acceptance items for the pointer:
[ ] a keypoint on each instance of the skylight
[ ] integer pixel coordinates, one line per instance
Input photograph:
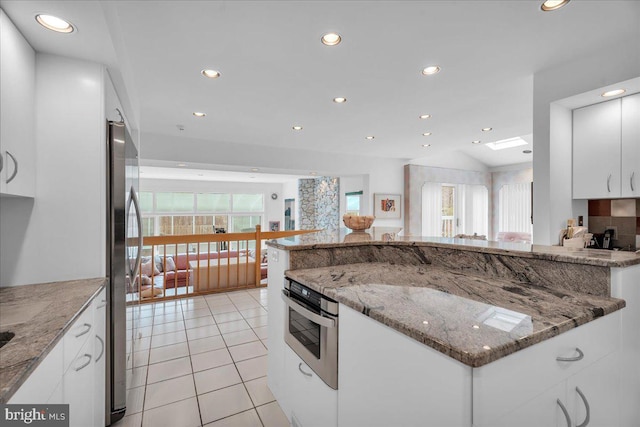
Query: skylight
(506, 143)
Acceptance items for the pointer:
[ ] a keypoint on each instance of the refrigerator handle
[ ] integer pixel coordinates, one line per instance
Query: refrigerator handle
(136, 205)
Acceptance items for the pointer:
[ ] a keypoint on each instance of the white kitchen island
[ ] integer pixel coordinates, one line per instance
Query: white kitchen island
(388, 375)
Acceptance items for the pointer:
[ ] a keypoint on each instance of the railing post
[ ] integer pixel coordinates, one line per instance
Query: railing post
(258, 265)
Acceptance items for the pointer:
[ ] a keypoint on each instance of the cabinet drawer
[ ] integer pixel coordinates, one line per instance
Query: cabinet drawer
(77, 335)
(511, 381)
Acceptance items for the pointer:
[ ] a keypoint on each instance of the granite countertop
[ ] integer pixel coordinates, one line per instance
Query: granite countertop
(50, 309)
(475, 320)
(390, 236)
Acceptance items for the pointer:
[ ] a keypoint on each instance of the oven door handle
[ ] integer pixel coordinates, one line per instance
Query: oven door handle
(322, 321)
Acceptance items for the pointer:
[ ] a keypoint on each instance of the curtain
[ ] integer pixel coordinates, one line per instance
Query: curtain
(515, 208)
(479, 209)
(432, 209)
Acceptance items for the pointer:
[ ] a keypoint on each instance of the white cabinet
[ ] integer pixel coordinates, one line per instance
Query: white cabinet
(596, 151)
(278, 262)
(312, 403)
(74, 370)
(630, 180)
(17, 111)
(388, 379)
(606, 149)
(528, 383)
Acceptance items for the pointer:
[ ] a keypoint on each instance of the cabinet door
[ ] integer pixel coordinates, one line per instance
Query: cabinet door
(600, 388)
(278, 263)
(630, 178)
(17, 111)
(312, 402)
(543, 410)
(99, 366)
(78, 387)
(596, 151)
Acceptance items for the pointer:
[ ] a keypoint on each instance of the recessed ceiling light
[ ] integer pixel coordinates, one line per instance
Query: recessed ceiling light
(430, 70)
(370, 137)
(54, 23)
(212, 74)
(181, 165)
(297, 127)
(477, 141)
(331, 39)
(506, 143)
(199, 114)
(426, 134)
(487, 129)
(426, 145)
(425, 116)
(550, 5)
(613, 92)
(527, 151)
(339, 100)
(254, 169)
(313, 173)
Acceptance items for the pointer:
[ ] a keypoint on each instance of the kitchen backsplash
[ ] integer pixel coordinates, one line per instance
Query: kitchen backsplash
(624, 214)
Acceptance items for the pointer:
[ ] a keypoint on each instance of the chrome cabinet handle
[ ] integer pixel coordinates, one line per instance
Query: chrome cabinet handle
(609, 184)
(15, 169)
(322, 321)
(104, 304)
(585, 423)
(101, 348)
(580, 356)
(303, 372)
(88, 356)
(566, 414)
(630, 181)
(86, 331)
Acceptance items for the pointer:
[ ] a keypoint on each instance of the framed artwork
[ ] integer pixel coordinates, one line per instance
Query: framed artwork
(274, 225)
(386, 206)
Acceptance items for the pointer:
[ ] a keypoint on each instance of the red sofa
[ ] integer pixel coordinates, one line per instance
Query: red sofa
(177, 267)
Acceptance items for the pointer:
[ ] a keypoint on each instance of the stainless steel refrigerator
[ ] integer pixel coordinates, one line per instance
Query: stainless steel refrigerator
(124, 244)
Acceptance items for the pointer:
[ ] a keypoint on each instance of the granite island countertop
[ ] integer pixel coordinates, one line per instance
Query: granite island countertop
(473, 319)
(389, 236)
(51, 308)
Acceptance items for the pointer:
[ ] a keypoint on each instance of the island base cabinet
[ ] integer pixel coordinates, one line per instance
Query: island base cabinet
(312, 403)
(388, 379)
(589, 397)
(278, 261)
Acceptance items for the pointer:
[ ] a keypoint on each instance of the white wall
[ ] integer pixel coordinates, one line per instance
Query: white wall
(379, 175)
(61, 234)
(552, 198)
(274, 209)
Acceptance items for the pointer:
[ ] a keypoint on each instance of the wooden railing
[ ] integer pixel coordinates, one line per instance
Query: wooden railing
(196, 264)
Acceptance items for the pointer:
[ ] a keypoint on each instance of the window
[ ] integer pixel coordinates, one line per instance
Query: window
(175, 213)
(514, 202)
(353, 202)
(451, 209)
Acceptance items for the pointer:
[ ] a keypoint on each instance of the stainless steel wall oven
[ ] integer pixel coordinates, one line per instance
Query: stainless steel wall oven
(311, 330)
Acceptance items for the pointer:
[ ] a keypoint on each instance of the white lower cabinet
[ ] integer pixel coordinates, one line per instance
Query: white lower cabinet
(74, 370)
(312, 402)
(278, 261)
(524, 388)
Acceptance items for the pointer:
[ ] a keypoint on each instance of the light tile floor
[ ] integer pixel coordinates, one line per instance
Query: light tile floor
(201, 361)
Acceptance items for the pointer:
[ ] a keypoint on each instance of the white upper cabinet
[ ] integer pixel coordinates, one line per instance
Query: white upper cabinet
(596, 151)
(606, 149)
(17, 111)
(630, 179)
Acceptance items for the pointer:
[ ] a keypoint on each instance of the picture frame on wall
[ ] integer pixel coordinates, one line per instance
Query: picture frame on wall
(274, 225)
(387, 206)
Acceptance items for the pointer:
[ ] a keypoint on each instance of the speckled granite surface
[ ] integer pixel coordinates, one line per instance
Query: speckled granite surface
(59, 303)
(377, 236)
(473, 319)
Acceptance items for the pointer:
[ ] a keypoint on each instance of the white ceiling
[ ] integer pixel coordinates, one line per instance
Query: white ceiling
(276, 73)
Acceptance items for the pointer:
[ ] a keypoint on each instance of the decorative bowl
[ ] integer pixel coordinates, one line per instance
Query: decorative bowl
(358, 222)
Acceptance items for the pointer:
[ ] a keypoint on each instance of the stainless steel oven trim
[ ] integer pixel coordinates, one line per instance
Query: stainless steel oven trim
(327, 366)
